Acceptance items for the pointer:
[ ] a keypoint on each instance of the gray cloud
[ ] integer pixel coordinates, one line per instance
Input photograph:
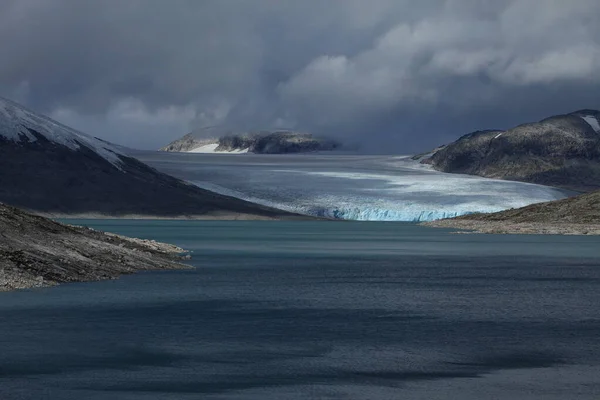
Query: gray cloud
(410, 74)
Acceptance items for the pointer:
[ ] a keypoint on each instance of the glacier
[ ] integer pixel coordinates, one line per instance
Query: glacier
(349, 187)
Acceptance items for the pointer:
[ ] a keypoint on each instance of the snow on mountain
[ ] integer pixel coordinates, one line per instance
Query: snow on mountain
(18, 124)
(593, 121)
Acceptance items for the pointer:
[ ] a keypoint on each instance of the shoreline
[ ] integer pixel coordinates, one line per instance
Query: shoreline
(134, 255)
(464, 224)
(515, 228)
(197, 217)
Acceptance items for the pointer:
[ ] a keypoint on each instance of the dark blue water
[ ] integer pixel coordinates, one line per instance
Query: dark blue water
(317, 310)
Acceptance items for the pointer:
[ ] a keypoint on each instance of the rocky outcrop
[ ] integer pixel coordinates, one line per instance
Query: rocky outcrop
(561, 151)
(574, 215)
(55, 170)
(260, 142)
(36, 251)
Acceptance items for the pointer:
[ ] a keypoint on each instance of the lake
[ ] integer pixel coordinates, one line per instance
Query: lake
(317, 310)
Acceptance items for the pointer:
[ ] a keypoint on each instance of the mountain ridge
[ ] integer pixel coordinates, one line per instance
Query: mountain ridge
(19, 124)
(561, 150)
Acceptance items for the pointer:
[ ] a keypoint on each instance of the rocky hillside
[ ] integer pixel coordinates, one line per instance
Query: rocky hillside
(260, 142)
(36, 251)
(50, 168)
(574, 215)
(561, 151)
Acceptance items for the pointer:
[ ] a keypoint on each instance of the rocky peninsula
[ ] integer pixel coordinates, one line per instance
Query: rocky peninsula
(37, 252)
(579, 215)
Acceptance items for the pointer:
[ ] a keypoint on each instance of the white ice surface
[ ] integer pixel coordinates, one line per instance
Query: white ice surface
(212, 149)
(367, 188)
(15, 119)
(590, 119)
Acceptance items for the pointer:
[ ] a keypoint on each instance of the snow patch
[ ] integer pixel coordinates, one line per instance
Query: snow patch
(212, 149)
(16, 120)
(592, 121)
(498, 135)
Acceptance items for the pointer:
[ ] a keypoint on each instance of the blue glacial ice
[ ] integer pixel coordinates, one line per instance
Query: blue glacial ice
(364, 188)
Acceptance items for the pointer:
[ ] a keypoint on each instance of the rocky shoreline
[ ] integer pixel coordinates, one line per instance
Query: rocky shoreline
(578, 215)
(516, 228)
(38, 252)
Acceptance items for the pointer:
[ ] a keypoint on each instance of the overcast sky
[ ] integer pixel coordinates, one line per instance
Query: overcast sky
(390, 74)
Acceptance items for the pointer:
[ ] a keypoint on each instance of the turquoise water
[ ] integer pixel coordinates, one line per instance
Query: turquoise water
(317, 310)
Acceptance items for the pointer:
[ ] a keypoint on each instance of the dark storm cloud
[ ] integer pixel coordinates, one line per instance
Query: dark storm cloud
(142, 72)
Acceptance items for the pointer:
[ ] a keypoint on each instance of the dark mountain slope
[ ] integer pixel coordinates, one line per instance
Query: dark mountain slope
(50, 168)
(562, 151)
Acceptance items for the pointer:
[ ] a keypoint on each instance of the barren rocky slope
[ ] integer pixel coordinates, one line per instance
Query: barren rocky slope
(36, 251)
(574, 215)
(561, 151)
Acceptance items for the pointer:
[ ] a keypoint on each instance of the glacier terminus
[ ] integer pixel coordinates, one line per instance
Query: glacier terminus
(350, 187)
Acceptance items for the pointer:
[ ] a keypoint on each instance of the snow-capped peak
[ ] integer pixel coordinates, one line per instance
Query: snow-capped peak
(593, 121)
(16, 120)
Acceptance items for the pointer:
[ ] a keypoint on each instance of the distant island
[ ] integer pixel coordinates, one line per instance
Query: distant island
(259, 142)
(562, 151)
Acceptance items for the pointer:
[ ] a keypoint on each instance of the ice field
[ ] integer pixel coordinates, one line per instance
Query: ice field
(353, 187)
